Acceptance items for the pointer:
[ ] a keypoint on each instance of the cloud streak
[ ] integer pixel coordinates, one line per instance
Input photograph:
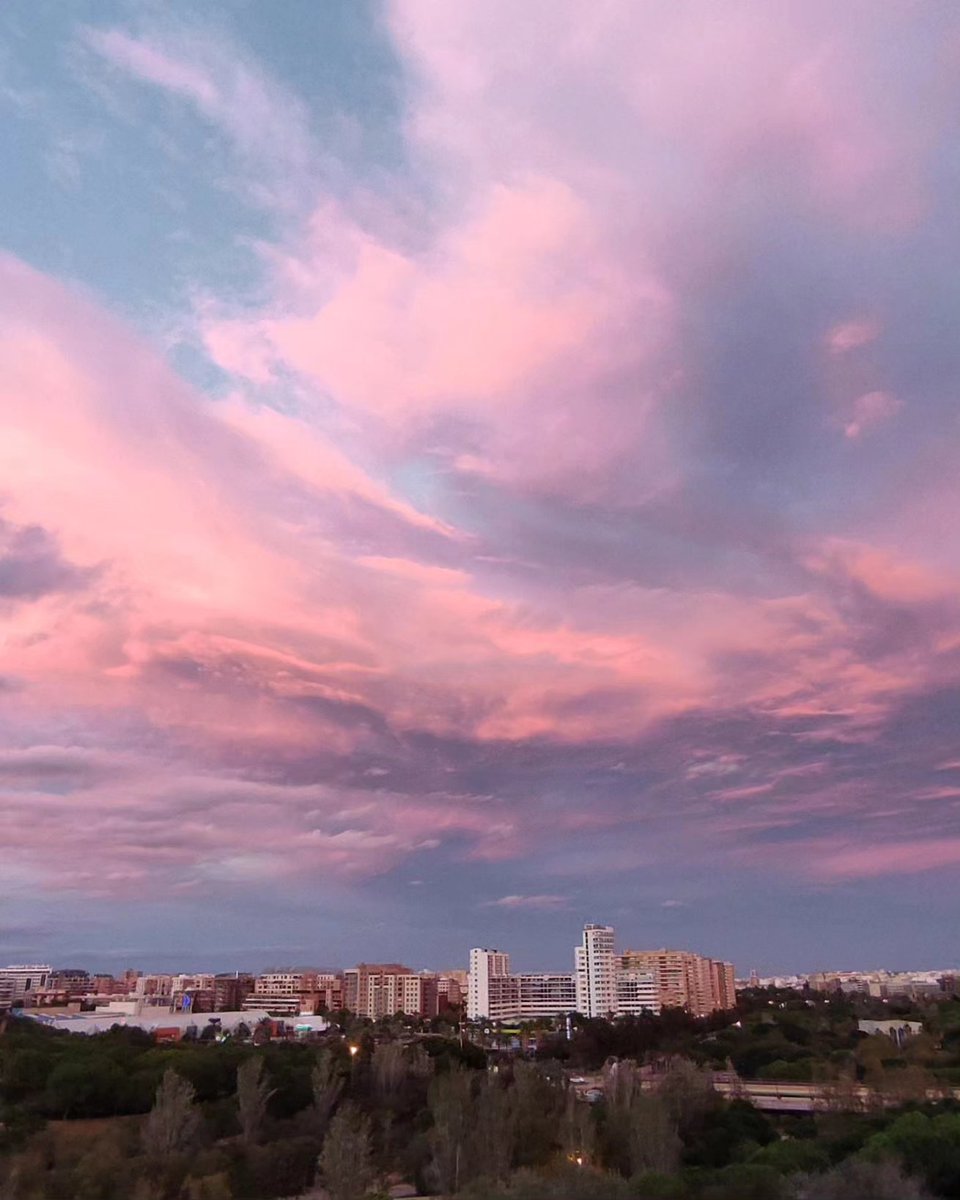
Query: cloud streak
(545, 902)
(266, 125)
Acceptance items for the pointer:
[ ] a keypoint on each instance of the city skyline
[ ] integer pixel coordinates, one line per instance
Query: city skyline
(224, 962)
(444, 503)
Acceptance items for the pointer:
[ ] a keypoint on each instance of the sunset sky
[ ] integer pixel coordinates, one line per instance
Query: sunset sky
(469, 468)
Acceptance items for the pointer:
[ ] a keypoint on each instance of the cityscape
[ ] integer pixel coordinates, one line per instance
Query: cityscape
(605, 983)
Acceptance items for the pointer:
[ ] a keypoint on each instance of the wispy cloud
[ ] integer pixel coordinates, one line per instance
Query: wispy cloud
(266, 124)
(543, 902)
(898, 858)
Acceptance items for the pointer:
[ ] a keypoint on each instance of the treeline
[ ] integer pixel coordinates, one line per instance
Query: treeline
(780, 1034)
(116, 1116)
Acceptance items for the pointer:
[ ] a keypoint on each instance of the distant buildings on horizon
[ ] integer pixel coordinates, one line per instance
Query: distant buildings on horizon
(880, 984)
(605, 982)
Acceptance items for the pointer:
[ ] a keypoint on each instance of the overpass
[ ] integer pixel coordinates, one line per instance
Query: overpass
(785, 1096)
(782, 1096)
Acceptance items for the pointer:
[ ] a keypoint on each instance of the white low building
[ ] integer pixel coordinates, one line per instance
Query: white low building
(150, 1020)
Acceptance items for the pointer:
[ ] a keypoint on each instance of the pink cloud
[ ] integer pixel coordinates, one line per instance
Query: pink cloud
(742, 793)
(258, 614)
(298, 450)
(868, 411)
(887, 574)
(421, 644)
(899, 858)
(851, 335)
(259, 588)
(738, 88)
(513, 305)
(542, 279)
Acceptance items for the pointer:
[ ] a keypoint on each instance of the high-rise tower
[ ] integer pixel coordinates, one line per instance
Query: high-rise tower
(484, 966)
(596, 970)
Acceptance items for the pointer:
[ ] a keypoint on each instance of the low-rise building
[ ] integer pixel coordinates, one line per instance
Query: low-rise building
(377, 990)
(495, 993)
(449, 992)
(329, 992)
(897, 1030)
(230, 990)
(20, 983)
(284, 993)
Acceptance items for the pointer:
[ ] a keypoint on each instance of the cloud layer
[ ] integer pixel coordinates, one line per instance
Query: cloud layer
(570, 496)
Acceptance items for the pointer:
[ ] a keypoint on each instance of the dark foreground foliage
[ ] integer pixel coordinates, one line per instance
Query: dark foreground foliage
(117, 1117)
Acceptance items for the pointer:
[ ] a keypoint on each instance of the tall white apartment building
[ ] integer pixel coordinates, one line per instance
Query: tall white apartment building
(485, 965)
(596, 971)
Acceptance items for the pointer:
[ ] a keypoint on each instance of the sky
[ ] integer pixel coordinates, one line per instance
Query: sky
(471, 469)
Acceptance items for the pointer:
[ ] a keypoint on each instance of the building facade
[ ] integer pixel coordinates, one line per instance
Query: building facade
(530, 997)
(377, 990)
(284, 993)
(73, 981)
(154, 990)
(230, 990)
(494, 993)
(596, 970)
(685, 980)
(485, 965)
(724, 989)
(636, 993)
(449, 992)
(329, 988)
(20, 982)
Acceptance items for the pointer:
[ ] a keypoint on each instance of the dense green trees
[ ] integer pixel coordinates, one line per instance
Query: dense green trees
(172, 1124)
(253, 1096)
(84, 1088)
(346, 1162)
(928, 1146)
(117, 1116)
(859, 1180)
(781, 1034)
(327, 1081)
